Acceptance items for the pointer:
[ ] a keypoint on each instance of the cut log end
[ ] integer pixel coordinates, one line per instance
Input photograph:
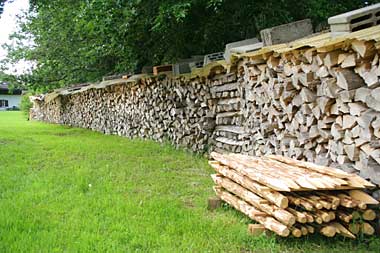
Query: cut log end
(369, 215)
(328, 231)
(296, 232)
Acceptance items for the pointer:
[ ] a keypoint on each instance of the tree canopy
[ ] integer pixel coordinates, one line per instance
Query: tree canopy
(83, 40)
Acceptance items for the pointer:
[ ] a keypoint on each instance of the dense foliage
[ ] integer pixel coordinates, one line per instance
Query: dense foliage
(77, 41)
(26, 104)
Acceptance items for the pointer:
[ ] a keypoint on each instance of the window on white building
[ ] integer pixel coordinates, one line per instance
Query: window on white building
(3, 103)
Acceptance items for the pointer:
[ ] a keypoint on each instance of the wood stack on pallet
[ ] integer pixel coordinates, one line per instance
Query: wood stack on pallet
(295, 198)
(322, 106)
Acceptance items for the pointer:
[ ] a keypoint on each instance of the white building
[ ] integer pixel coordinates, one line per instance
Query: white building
(9, 99)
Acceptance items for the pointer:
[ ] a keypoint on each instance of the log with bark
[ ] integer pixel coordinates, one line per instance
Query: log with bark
(281, 192)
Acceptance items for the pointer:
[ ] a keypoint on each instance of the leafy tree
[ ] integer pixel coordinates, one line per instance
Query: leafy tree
(78, 41)
(26, 104)
(6, 78)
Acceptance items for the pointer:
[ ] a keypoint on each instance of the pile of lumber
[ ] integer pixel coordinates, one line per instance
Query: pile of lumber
(321, 105)
(295, 198)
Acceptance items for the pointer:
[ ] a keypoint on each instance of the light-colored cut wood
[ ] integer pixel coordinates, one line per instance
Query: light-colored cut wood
(331, 59)
(342, 230)
(369, 215)
(263, 191)
(318, 168)
(367, 229)
(256, 201)
(349, 121)
(252, 173)
(344, 216)
(347, 79)
(300, 216)
(361, 94)
(356, 109)
(328, 231)
(363, 48)
(363, 197)
(296, 232)
(348, 61)
(261, 217)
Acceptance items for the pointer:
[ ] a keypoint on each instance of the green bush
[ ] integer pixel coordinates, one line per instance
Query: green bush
(14, 108)
(25, 104)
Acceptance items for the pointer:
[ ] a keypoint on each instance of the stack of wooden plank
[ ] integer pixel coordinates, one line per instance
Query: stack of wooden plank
(291, 197)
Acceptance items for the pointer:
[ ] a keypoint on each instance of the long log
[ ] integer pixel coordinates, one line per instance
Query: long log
(267, 221)
(318, 168)
(273, 196)
(256, 201)
(342, 230)
(272, 182)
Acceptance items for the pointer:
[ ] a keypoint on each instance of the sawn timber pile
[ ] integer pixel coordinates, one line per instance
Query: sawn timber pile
(291, 197)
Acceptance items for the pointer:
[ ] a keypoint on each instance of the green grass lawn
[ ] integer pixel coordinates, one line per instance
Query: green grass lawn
(73, 190)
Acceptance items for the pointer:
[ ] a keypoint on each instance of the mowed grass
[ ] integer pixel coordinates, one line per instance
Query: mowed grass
(73, 190)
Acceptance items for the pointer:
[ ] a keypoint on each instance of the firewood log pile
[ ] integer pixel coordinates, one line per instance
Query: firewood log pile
(171, 109)
(295, 198)
(322, 106)
(316, 102)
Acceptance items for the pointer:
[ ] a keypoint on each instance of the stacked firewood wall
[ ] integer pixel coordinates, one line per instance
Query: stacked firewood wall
(323, 107)
(52, 112)
(175, 110)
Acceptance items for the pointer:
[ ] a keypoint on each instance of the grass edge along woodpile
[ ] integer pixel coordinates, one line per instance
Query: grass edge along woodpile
(295, 198)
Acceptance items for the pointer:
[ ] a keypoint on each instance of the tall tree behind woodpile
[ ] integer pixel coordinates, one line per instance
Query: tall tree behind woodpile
(105, 37)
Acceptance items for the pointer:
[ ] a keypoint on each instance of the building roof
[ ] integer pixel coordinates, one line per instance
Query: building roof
(5, 90)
